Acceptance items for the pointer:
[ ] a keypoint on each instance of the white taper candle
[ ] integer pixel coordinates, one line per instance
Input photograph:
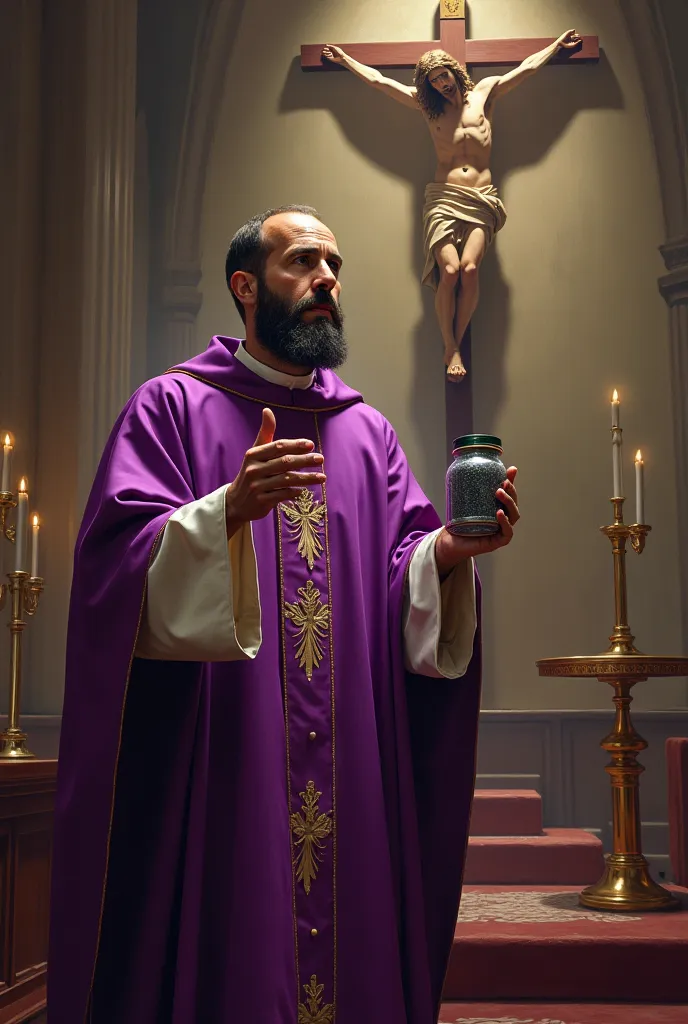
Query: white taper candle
(616, 447)
(6, 463)
(21, 524)
(639, 488)
(35, 527)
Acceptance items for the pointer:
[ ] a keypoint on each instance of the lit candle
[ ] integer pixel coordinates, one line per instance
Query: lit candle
(34, 546)
(639, 488)
(20, 535)
(616, 447)
(6, 462)
(615, 408)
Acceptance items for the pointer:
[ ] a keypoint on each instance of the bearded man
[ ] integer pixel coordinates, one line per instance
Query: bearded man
(268, 743)
(462, 211)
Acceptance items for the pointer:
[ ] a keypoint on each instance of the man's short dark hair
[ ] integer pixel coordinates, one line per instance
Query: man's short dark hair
(248, 251)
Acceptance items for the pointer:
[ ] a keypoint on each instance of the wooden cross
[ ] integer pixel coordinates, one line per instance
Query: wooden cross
(472, 53)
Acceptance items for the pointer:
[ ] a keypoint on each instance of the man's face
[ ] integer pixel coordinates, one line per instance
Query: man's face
(443, 81)
(297, 316)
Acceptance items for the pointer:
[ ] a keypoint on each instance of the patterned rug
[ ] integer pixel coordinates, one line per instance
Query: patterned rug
(533, 908)
(562, 1013)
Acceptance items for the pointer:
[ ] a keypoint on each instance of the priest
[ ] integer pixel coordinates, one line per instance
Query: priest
(268, 744)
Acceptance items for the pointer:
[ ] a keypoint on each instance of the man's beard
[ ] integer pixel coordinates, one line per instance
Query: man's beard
(319, 343)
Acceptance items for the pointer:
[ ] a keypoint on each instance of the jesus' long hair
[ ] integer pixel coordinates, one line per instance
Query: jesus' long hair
(428, 97)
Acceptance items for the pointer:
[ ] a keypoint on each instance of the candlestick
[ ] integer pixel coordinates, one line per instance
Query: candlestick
(22, 591)
(34, 546)
(626, 884)
(20, 535)
(6, 463)
(617, 438)
(639, 488)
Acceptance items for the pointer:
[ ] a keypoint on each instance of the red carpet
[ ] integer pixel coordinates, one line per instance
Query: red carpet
(535, 942)
(506, 812)
(560, 856)
(562, 1013)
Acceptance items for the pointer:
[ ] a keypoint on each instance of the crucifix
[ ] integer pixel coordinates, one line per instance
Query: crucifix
(471, 52)
(458, 115)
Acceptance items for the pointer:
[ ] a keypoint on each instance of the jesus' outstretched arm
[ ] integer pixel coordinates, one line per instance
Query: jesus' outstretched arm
(502, 84)
(405, 94)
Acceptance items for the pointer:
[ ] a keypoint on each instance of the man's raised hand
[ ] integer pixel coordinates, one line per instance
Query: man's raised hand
(271, 472)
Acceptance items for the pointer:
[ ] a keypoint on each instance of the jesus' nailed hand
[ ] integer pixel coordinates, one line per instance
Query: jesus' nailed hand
(462, 211)
(276, 471)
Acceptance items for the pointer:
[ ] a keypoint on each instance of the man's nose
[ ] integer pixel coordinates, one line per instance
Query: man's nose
(325, 277)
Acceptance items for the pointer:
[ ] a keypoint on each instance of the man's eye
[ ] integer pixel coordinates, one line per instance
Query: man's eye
(301, 259)
(334, 267)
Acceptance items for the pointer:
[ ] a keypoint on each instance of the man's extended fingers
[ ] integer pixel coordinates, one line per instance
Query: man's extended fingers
(285, 464)
(269, 484)
(291, 446)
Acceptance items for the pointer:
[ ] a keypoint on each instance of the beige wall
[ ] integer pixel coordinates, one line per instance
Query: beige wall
(570, 306)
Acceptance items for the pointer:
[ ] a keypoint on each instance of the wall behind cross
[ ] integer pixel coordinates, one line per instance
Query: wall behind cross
(570, 307)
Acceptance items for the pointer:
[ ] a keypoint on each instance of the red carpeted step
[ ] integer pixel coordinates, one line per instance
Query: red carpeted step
(563, 1013)
(566, 856)
(538, 943)
(506, 812)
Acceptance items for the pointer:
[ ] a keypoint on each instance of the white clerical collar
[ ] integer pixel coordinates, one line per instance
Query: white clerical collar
(287, 380)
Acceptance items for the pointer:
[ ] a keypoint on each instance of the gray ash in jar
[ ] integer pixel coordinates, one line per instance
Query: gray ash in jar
(472, 482)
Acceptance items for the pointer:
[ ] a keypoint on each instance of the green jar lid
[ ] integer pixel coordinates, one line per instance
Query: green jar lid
(471, 440)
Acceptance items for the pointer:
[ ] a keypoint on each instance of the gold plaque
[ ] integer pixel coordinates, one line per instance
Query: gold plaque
(452, 8)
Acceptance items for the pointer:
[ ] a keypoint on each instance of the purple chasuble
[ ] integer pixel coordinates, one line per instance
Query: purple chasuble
(275, 841)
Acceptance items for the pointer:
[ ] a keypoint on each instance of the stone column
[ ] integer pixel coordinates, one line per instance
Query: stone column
(109, 160)
(89, 71)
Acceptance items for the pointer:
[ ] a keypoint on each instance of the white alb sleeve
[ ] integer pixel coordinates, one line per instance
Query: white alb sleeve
(203, 602)
(439, 619)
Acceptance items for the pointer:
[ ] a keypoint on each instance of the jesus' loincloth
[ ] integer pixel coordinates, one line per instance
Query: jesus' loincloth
(450, 213)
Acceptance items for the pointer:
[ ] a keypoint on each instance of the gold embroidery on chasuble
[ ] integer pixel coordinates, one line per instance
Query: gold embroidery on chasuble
(305, 516)
(309, 829)
(312, 619)
(307, 656)
(312, 1012)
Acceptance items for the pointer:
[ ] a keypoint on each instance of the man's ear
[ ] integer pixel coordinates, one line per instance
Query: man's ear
(245, 287)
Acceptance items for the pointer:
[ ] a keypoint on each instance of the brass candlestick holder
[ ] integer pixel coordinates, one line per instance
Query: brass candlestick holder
(626, 883)
(24, 592)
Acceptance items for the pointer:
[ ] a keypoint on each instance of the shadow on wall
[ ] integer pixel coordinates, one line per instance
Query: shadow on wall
(528, 123)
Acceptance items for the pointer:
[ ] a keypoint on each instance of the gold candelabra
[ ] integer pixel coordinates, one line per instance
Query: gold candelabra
(626, 883)
(23, 591)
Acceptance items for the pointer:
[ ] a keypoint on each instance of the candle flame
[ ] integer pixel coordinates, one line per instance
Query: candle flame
(615, 396)
(8, 441)
(638, 456)
(35, 522)
(22, 485)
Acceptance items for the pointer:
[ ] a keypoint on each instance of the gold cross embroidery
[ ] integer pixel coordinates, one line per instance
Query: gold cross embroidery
(314, 1013)
(305, 517)
(312, 618)
(310, 828)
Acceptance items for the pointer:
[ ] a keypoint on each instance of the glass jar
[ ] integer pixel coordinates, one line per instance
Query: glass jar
(472, 481)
